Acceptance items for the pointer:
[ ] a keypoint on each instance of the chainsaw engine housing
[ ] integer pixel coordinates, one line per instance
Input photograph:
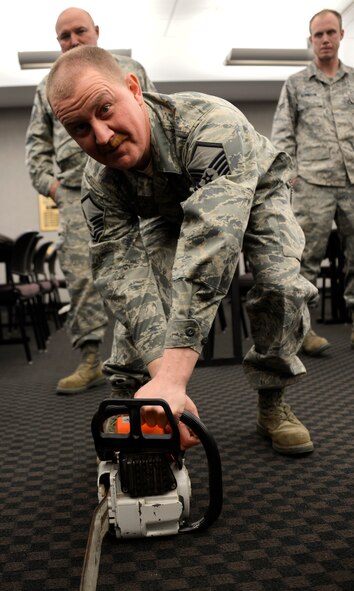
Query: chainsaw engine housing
(158, 510)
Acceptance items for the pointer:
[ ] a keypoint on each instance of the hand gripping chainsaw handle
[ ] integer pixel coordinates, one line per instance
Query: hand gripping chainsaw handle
(107, 444)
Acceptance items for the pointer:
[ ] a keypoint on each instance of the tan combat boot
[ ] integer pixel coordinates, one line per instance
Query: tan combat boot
(314, 345)
(87, 375)
(276, 421)
(122, 388)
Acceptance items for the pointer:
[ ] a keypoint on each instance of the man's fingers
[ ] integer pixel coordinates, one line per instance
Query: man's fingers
(188, 438)
(154, 415)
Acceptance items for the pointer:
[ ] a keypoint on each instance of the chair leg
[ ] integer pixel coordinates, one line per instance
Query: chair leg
(323, 300)
(21, 319)
(44, 326)
(236, 306)
(44, 316)
(54, 310)
(208, 350)
(222, 317)
(37, 324)
(243, 321)
(57, 305)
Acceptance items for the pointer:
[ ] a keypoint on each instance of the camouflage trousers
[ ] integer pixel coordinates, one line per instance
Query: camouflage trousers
(316, 208)
(277, 304)
(87, 318)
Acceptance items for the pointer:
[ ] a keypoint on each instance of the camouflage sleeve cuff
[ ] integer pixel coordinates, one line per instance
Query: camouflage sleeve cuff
(45, 185)
(184, 333)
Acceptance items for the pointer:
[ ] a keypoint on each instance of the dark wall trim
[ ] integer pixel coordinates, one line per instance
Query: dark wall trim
(238, 90)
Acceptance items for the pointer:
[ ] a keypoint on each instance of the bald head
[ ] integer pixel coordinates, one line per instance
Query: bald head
(74, 27)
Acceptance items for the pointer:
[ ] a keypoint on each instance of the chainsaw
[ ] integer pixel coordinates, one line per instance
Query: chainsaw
(143, 484)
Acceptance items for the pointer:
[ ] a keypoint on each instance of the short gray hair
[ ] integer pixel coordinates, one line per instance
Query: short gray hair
(69, 65)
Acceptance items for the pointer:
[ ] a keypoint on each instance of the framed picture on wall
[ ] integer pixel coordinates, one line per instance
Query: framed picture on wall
(48, 214)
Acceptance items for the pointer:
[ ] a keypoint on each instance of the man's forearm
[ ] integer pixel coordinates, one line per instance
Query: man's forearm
(176, 365)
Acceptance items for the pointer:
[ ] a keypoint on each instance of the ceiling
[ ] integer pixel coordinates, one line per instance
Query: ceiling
(181, 43)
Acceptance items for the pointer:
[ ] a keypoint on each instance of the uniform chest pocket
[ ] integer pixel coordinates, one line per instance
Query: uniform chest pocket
(310, 101)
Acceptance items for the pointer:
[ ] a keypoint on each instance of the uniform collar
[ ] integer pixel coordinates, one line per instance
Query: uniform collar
(162, 130)
(314, 72)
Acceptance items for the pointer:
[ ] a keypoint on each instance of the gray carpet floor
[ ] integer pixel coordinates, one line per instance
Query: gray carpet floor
(286, 524)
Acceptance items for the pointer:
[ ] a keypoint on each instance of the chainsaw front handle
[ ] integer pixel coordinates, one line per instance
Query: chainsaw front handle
(214, 472)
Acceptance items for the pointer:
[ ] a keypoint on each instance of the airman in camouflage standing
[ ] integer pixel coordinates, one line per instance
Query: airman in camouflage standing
(56, 163)
(314, 123)
(207, 185)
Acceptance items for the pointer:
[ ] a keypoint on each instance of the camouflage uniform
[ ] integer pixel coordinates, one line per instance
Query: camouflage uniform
(314, 123)
(216, 187)
(52, 154)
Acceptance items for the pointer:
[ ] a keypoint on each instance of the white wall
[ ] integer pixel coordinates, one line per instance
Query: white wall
(347, 45)
(17, 197)
(18, 200)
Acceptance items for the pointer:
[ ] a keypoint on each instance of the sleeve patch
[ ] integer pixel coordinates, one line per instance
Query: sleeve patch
(209, 161)
(94, 215)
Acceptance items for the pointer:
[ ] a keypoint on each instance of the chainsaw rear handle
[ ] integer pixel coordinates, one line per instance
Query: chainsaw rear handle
(108, 443)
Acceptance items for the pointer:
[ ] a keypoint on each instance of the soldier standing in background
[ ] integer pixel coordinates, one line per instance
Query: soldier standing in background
(56, 163)
(207, 185)
(314, 123)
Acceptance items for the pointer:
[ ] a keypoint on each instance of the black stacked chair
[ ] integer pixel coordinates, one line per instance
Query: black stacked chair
(21, 297)
(334, 274)
(28, 276)
(47, 284)
(240, 285)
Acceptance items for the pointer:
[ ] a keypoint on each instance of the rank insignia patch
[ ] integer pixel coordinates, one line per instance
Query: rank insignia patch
(94, 215)
(208, 163)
